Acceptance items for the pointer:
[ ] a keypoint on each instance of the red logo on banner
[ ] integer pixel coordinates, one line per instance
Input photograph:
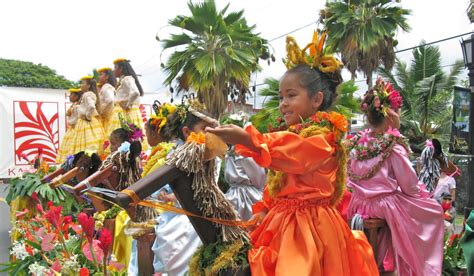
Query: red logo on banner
(36, 130)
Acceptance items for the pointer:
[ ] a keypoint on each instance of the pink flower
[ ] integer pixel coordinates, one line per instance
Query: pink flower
(395, 99)
(87, 224)
(67, 219)
(393, 131)
(105, 240)
(365, 137)
(429, 144)
(364, 152)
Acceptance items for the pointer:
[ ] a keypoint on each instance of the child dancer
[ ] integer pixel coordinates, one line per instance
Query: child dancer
(127, 97)
(245, 178)
(71, 120)
(88, 133)
(385, 186)
(107, 83)
(300, 231)
(176, 240)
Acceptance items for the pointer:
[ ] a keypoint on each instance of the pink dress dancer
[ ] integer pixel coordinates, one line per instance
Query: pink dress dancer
(385, 186)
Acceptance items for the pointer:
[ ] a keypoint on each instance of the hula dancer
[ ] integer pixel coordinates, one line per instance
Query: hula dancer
(107, 83)
(71, 120)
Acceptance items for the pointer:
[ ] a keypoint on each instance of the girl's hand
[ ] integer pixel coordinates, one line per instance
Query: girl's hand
(258, 217)
(232, 134)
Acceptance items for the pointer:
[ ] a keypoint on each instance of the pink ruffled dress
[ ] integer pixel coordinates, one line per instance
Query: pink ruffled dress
(413, 242)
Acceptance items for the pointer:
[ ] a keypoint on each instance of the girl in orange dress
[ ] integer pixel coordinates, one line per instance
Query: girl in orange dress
(299, 231)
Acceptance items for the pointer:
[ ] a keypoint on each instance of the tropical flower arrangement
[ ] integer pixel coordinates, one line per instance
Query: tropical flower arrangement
(51, 244)
(385, 97)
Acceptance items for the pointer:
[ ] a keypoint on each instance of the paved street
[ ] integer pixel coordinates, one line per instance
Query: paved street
(4, 226)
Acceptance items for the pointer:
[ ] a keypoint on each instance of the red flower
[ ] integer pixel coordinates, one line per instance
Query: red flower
(39, 208)
(84, 271)
(395, 100)
(53, 215)
(29, 249)
(105, 240)
(67, 219)
(87, 224)
(50, 204)
(34, 196)
(106, 144)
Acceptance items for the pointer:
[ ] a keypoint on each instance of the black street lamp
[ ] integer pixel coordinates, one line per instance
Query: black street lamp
(468, 54)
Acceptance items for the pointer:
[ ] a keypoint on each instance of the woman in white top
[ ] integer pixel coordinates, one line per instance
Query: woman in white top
(71, 120)
(89, 134)
(447, 185)
(105, 106)
(127, 97)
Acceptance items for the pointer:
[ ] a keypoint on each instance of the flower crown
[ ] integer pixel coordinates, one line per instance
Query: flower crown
(136, 134)
(161, 113)
(385, 97)
(121, 60)
(87, 78)
(74, 90)
(317, 58)
(104, 69)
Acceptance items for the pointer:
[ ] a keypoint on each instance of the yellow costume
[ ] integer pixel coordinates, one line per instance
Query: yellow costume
(88, 133)
(66, 144)
(127, 101)
(106, 104)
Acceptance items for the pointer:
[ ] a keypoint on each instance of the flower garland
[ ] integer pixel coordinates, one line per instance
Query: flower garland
(321, 123)
(365, 145)
(136, 133)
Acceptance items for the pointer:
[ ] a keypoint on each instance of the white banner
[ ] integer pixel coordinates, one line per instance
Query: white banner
(33, 120)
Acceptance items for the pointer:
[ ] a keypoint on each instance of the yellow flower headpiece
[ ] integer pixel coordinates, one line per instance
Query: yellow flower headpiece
(87, 78)
(104, 69)
(74, 90)
(120, 60)
(317, 58)
(160, 116)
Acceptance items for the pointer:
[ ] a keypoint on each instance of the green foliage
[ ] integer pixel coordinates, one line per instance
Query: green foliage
(215, 54)
(427, 94)
(453, 259)
(30, 183)
(345, 103)
(363, 32)
(17, 73)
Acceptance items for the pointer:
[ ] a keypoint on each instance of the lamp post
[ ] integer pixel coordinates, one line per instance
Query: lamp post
(468, 54)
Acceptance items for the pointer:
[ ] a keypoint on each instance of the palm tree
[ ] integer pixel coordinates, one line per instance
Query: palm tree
(427, 94)
(363, 32)
(214, 56)
(345, 103)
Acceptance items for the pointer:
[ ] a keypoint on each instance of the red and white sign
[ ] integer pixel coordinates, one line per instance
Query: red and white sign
(33, 121)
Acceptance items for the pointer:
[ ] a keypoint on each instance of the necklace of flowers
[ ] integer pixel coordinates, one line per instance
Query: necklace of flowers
(158, 153)
(319, 123)
(364, 146)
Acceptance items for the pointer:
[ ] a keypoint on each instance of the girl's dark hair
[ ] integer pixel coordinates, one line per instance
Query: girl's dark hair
(374, 117)
(110, 77)
(127, 70)
(122, 134)
(80, 159)
(314, 81)
(174, 127)
(93, 85)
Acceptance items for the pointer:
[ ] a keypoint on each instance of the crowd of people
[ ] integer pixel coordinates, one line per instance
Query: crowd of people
(292, 181)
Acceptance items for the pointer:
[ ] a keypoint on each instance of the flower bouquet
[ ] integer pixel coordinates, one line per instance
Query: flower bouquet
(51, 244)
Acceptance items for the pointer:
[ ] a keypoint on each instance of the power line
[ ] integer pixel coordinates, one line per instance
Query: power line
(433, 42)
(295, 30)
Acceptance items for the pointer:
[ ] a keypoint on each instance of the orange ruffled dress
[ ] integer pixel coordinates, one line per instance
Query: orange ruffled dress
(303, 234)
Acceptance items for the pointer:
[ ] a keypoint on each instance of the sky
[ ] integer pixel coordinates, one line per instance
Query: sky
(73, 37)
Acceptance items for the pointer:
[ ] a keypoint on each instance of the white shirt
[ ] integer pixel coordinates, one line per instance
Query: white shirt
(445, 185)
(127, 94)
(106, 100)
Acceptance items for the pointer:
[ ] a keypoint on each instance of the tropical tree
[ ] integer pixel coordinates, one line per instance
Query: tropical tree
(215, 54)
(427, 93)
(363, 31)
(345, 103)
(17, 73)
